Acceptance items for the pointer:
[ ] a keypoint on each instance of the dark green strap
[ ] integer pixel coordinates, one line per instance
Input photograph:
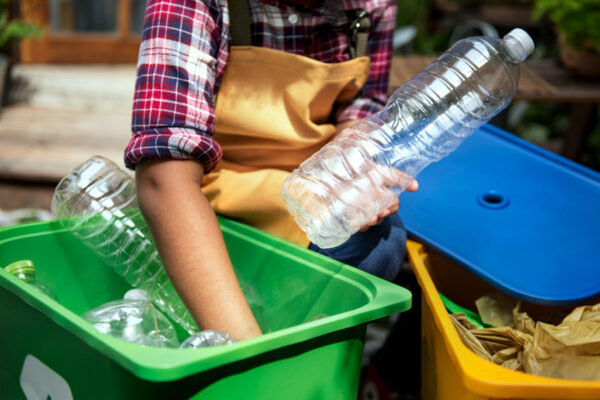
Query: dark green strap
(239, 23)
(359, 34)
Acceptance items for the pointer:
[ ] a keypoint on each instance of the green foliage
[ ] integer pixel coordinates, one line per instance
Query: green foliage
(14, 29)
(413, 12)
(539, 122)
(430, 40)
(577, 20)
(543, 124)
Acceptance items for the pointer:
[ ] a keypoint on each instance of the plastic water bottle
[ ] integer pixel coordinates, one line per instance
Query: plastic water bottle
(135, 321)
(207, 338)
(25, 270)
(97, 203)
(350, 180)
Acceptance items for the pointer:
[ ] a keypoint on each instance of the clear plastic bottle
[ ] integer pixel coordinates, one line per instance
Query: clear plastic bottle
(207, 338)
(350, 180)
(25, 270)
(135, 321)
(97, 203)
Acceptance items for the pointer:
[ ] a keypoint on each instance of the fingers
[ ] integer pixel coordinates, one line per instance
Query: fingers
(373, 221)
(413, 186)
(399, 178)
(392, 208)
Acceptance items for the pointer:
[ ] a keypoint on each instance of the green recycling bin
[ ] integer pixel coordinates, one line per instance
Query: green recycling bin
(317, 309)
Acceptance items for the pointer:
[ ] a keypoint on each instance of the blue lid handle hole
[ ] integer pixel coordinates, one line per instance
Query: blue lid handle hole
(492, 199)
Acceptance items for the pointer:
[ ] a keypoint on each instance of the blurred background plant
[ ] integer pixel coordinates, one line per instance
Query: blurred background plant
(578, 21)
(11, 31)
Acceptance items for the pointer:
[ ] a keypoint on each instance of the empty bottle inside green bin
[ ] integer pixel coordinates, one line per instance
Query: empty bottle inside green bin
(97, 203)
(25, 270)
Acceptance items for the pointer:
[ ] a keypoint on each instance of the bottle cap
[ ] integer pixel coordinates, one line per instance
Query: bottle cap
(21, 266)
(519, 44)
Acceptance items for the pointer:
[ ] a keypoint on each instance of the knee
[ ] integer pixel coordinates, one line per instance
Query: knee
(380, 250)
(388, 255)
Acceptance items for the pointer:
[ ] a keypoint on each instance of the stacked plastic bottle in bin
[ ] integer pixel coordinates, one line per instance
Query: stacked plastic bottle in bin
(97, 202)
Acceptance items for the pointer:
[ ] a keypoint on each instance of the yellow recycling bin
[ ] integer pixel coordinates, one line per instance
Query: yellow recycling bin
(449, 369)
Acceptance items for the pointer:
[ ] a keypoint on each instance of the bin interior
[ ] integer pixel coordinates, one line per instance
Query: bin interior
(463, 287)
(453, 371)
(82, 281)
(304, 294)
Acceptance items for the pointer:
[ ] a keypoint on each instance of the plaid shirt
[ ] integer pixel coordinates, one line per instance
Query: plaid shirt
(184, 53)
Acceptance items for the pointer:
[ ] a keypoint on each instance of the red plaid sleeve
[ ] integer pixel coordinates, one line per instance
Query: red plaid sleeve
(181, 61)
(373, 96)
(184, 52)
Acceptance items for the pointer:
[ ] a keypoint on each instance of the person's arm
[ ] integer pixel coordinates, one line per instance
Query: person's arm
(191, 246)
(183, 55)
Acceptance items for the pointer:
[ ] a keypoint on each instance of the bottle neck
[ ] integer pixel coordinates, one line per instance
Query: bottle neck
(23, 270)
(26, 276)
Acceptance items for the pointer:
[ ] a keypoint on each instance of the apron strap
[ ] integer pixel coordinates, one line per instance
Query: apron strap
(239, 23)
(359, 33)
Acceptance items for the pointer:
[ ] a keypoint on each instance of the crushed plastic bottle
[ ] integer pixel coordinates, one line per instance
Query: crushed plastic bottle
(207, 338)
(25, 270)
(135, 321)
(350, 180)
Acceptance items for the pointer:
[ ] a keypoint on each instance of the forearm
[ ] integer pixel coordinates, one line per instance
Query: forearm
(191, 246)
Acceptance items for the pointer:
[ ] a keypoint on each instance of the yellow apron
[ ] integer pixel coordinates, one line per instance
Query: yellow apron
(271, 114)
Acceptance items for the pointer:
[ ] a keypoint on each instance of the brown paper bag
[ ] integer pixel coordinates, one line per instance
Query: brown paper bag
(569, 350)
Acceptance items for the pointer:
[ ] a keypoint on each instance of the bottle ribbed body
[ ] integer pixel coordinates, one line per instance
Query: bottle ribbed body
(97, 203)
(351, 179)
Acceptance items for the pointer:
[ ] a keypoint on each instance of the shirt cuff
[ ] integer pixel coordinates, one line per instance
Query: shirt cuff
(173, 143)
(359, 108)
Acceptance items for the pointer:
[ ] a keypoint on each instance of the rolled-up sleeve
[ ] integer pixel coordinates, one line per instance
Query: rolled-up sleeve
(182, 58)
(373, 96)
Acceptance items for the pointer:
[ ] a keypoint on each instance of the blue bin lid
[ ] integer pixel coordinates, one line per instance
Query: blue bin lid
(523, 219)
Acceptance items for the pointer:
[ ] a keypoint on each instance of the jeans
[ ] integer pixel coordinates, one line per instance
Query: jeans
(380, 250)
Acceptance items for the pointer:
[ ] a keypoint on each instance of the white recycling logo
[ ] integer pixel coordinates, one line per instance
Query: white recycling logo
(40, 382)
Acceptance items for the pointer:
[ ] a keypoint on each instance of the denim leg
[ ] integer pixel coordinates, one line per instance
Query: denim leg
(379, 250)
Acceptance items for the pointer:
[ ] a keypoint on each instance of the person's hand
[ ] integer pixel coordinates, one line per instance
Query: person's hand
(392, 208)
(394, 178)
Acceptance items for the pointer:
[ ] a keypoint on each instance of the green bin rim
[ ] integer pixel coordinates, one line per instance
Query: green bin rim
(165, 364)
